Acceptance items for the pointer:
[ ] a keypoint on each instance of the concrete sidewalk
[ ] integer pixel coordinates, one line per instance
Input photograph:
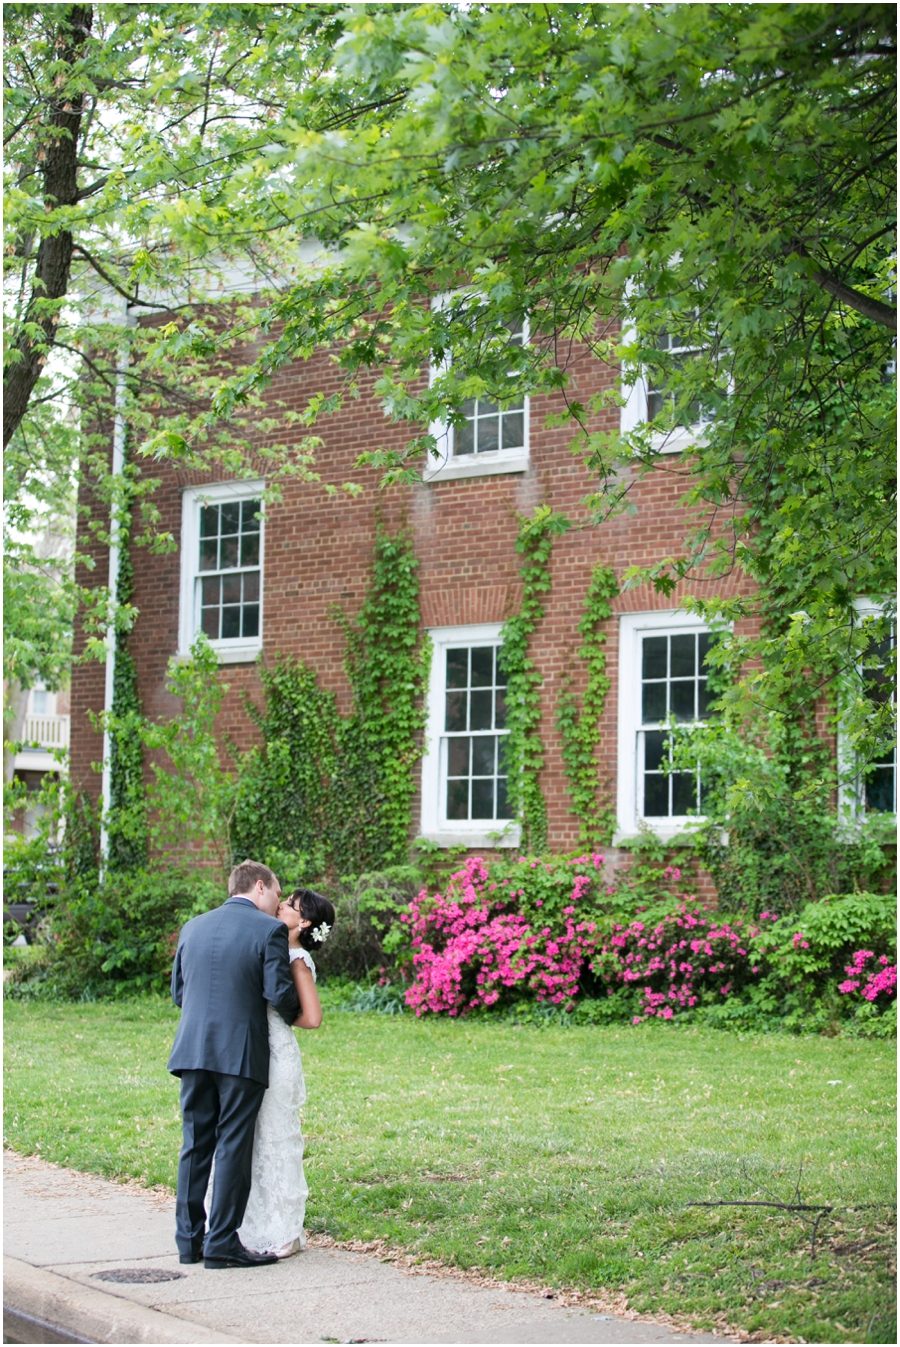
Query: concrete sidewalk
(67, 1234)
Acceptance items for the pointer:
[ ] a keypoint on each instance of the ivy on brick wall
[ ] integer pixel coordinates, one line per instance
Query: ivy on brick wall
(331, 793)
(579, 726)
(524, 749)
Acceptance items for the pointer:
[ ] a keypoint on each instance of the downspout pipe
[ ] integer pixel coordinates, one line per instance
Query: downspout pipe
(118, 470)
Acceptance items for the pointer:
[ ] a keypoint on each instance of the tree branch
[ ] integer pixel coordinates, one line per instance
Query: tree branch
(54, 256)
(873, 309)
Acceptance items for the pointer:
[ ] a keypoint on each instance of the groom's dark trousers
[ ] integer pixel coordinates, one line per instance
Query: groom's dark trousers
(229, 964)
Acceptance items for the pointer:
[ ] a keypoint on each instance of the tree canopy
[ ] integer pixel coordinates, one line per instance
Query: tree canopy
(119, 117)
(715, 177)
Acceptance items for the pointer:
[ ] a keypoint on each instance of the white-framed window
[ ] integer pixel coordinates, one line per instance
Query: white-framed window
(662, 677)
(43, 703)
(647, 397)
(464, 782)
(494, 438)
(222, 545)
(871, 790)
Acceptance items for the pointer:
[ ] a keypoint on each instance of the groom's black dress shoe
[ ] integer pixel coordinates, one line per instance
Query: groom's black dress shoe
(242, 1259)
(191, 1257)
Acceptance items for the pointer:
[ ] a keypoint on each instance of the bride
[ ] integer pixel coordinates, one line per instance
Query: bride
(273, 1221)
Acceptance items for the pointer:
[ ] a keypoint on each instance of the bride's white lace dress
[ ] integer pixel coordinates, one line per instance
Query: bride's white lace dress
(278, 1193)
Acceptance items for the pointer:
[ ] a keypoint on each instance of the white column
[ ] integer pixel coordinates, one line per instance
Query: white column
(117, 468)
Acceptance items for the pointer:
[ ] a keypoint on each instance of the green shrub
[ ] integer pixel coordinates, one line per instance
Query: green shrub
(771, 838)
(113, 939)
(368, 939)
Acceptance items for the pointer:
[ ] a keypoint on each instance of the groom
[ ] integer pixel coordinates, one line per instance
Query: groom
(229, 963)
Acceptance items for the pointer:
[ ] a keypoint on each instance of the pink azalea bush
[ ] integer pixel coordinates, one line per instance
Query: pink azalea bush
(679, 961)
(477, 944)
(880, 980)
(560, 933)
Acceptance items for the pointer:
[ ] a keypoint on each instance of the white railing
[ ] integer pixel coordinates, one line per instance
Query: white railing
(46, 731)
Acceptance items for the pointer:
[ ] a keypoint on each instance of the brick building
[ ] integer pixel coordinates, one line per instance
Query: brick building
(268, 589)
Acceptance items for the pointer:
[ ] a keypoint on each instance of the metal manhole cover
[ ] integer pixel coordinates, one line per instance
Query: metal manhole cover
(136, 1275)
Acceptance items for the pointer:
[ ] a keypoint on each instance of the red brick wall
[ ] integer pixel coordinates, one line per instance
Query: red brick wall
(319, 553)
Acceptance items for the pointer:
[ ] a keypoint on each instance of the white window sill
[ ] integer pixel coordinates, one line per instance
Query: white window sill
(225, 654)
(511, 836)
(679, 441)
(677, 831)
(477, 465)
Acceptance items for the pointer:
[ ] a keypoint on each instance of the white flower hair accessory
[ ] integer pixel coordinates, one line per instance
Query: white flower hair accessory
(321, 933)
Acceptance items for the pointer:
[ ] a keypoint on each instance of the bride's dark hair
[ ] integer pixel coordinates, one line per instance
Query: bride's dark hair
(315, 909)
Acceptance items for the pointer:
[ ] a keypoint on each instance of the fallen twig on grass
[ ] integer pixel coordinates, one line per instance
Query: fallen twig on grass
(821, 1209)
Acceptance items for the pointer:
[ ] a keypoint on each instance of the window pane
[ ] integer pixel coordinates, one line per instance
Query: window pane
(654, 750)
(486, 407)
(656, 796)
(229, 554)
(481, 707)
(231, 589)
(704, 645)
(880, 790)
(210, 623)
(231, 517)
(483, 755)
(504, 809)
(878, 687)
(482, 666)
(458, 799)
(499, 711)
(458, 757)
(513, 430)
(654, 702)
(456, 711)
(704, 697)
(209, 521)
(488, 434)
(231, 623)
(464, 438)
(210, 590)
(251, 587)
(684, 792)
(654, 662)
(209, 553)
(457, 668)
(249, 524)
(684, 652)
(682, 700)
(251, 620)
(250, 549)
(483, 798)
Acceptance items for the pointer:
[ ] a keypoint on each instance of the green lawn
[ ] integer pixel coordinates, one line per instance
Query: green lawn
(562, 1155)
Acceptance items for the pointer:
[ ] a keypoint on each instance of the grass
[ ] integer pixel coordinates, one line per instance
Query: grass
(566, 1156)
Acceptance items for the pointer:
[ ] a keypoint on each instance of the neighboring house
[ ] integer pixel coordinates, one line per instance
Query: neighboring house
(267, 589)
(44, 737)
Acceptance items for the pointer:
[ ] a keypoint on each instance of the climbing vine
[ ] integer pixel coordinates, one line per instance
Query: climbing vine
(579, 728)
(333, 793)
(524, 750)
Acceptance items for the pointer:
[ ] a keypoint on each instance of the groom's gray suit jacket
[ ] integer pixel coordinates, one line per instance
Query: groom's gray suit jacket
(228, 964)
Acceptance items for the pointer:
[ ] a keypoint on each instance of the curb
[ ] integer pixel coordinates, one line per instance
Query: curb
(76, 1313)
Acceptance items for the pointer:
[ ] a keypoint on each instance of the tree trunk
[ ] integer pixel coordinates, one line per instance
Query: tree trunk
(59, 170)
